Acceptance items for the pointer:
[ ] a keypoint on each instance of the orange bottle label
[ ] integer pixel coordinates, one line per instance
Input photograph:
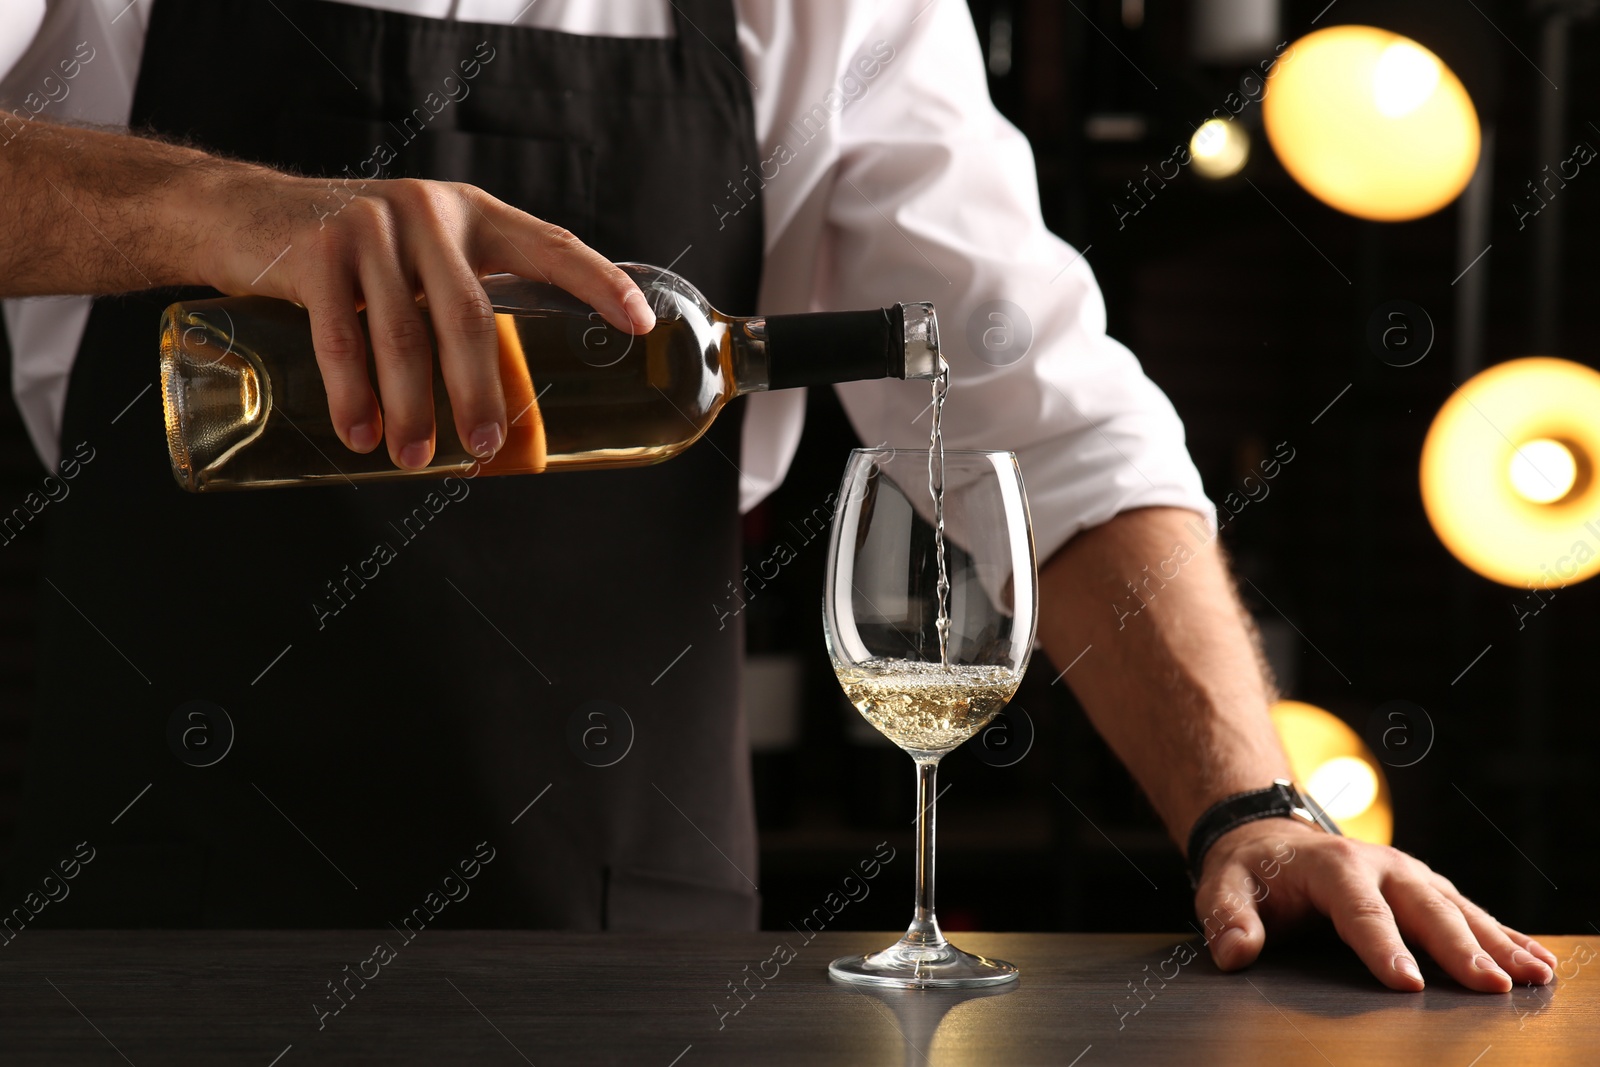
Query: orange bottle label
(525, 449)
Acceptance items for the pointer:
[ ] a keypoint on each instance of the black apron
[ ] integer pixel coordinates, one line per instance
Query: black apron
(544, 640)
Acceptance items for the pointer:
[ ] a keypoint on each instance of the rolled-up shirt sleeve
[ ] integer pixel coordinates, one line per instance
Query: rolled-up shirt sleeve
(934, 197)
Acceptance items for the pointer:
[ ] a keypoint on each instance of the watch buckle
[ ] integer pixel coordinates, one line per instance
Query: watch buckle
(1302, 807)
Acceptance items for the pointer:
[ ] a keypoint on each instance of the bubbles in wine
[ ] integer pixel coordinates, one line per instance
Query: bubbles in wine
(927, 707)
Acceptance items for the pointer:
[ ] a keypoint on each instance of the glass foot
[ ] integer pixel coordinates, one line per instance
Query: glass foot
(908, 965)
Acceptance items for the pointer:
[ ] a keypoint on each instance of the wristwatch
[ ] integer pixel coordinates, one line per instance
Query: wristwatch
(1281, 799)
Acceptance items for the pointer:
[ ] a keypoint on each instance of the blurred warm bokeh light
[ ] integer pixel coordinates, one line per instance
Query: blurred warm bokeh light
(1219, 148)
(1507, 473)
(1371, 123)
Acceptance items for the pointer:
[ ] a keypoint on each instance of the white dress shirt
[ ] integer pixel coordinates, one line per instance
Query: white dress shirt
(903, 185)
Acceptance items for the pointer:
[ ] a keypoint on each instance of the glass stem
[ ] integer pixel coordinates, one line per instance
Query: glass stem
(924, 929)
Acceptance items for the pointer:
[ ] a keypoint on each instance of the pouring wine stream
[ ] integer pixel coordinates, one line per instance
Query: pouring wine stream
(941, 386)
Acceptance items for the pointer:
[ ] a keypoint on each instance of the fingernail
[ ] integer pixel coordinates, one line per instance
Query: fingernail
(1227, 942)
(416, 454)
(1538, 949)
(486, 440)
(1489, 966)
(638, 311)
(364, 438)
(1524, 958)
(1408, 967)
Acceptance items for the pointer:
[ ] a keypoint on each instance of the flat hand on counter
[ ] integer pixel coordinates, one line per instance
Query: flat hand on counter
(1278, 872)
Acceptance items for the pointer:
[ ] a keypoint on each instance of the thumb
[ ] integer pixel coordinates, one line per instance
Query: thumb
(1229, 919)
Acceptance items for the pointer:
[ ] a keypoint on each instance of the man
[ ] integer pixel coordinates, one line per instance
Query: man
(848, 157)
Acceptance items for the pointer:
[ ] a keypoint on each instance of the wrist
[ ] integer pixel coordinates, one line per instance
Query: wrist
(226, 213)
(1278, 835)
(1280, 802)
(165, 203)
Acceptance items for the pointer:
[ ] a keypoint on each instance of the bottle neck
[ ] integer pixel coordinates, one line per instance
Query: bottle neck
(747, 344)
(826, 348)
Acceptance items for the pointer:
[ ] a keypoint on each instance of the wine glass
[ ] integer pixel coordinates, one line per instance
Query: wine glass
(926, 686)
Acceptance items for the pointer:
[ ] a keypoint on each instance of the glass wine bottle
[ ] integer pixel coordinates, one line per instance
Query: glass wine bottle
(245, 405)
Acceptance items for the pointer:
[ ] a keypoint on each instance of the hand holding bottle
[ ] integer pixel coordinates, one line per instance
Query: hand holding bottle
(92, 211)
(384, 246)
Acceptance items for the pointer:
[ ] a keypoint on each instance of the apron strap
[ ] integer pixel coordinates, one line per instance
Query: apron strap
(708, 23)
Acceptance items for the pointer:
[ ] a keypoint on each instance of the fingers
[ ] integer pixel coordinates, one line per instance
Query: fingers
(377, 250)
(463, 322)
(1439, 925)
(404, 358)
(514, 241)
(1531, 945)
(1348, 892)
(1230, 922)
(1509, 948)
(341, 349)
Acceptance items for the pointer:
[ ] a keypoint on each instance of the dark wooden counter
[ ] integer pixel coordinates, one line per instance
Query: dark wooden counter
(155, 997)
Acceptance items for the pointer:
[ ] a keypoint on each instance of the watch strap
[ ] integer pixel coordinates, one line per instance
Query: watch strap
(1281, 799)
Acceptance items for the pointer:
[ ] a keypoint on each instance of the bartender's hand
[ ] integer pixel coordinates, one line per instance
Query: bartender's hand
(1276, 872)
(102, 211)
(383, 244)
(1174, 684)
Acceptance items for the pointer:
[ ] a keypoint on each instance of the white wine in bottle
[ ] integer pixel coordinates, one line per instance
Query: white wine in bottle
(927, 708)
(245, 405)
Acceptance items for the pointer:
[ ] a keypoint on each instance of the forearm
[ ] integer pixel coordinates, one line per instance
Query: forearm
(97, 211)
(1173, 680)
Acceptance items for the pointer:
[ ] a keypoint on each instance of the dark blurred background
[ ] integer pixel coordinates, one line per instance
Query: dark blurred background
(1247, 300)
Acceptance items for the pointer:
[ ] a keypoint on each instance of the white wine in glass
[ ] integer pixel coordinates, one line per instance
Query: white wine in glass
(884, 607)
